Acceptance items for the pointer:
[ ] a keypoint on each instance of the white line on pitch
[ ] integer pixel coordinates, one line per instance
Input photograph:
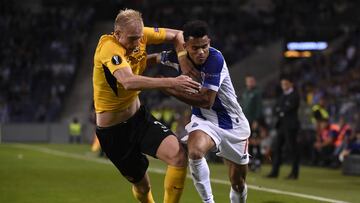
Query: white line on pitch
(161, 171)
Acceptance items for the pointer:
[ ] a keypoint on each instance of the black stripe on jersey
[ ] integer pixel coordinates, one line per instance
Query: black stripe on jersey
(111, 80)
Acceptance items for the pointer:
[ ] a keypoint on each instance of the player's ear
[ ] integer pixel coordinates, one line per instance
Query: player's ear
(184, 45)
(209, 40)
(117, 33)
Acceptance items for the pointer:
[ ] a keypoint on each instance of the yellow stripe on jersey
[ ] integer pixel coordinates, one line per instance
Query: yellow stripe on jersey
(110, 95)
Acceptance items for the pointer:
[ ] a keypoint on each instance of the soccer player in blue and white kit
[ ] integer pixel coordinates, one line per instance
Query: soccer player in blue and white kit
(217, 121)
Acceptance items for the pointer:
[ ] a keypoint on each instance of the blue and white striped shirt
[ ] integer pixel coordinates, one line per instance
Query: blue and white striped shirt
(226, 111)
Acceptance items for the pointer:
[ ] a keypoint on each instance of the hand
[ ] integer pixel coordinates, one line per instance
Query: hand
(185, 84)
(187, 68)
(169, 58)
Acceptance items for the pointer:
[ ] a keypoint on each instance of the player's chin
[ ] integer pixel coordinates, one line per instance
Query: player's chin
(200, 61)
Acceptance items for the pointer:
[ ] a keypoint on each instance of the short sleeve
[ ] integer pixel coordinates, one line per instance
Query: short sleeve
(212, 71)
(154, 35)
(112, 56)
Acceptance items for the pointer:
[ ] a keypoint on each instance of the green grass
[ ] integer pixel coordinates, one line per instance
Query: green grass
(72, 174)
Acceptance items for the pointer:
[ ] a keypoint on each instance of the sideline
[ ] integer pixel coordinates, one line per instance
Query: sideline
(161, 171)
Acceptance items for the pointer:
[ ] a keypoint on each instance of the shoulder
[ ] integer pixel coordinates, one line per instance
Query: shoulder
(108, 41)
(215, 58)
(215, 54)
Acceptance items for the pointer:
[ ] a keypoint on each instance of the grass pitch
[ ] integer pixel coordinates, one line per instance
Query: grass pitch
(46, 173)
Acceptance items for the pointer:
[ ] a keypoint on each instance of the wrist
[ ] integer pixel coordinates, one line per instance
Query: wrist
(158, 58)
(181, 53)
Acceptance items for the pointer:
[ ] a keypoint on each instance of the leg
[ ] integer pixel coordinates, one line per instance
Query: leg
(237, 176)
(277, 155)
(141, 190)
(171, 152)
(295, 154)
(199, 143)
(131, 163)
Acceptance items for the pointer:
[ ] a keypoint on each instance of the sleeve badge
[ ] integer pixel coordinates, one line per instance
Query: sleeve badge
(116, 60)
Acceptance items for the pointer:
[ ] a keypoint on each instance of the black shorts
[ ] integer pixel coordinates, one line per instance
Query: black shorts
(126, 143)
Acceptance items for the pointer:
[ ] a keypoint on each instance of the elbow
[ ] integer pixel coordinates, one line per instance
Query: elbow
(178, 36)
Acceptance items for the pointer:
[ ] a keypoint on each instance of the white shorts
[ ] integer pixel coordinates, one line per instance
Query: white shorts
(231, 144)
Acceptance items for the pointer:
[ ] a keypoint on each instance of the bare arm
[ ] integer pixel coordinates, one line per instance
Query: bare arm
(152, 59)
(137, 82)
(177, 38)
(204, 99)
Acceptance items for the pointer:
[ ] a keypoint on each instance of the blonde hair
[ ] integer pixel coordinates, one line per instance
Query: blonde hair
(126, 17)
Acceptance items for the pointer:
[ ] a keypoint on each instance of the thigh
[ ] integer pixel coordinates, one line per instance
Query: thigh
(119, 146)
(133, 167)
(153, 134)
(172, 152)
(200, 141)
(233, 147)
(202, 132)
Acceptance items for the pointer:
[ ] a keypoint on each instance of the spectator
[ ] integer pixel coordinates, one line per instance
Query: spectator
(75, 131)
(258, 133)
(251, 100)
(325, 142)
(288, 125)
(319, 112)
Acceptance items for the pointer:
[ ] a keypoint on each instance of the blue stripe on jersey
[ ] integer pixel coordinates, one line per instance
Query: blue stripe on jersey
(212, 68)
(224, 119)
(197, 112)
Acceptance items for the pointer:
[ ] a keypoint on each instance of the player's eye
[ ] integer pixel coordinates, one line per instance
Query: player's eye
(134, 38)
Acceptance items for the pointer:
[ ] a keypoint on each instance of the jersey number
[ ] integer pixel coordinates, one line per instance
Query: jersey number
(163, 127)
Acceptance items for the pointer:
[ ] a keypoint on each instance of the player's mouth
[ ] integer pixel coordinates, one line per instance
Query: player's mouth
(202, 59)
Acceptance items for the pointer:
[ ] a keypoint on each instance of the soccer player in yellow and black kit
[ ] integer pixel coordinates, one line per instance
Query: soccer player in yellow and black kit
(126, 130)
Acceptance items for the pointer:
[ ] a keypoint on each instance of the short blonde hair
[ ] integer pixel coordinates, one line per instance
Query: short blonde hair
(126, 17)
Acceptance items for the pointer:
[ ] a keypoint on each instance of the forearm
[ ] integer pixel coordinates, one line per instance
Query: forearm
(179, 41)
(153, 59)
(138, 82)
(196, 100)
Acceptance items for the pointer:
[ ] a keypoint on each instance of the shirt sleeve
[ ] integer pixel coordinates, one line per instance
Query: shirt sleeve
(212, 71)
(154, 35)
(112, 56)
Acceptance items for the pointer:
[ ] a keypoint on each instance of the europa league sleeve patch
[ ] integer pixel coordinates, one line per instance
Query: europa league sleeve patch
(116, 60)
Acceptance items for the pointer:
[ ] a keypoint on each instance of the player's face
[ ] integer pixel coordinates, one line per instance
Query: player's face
(130, 36)
(198, 49)
(286, 85)
(250, 82)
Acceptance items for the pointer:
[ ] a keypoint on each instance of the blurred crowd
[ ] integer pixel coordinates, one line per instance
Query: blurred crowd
(40, 51)
(238, 27)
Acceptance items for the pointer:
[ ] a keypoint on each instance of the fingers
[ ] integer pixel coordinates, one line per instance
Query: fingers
(191, 91)
(187, 85)
(190, 82)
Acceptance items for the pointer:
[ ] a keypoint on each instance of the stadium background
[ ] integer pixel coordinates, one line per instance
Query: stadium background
(46, 68)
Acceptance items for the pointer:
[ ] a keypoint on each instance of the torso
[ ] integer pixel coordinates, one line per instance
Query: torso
(114, 104)
(226, 111)
(107, 118)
